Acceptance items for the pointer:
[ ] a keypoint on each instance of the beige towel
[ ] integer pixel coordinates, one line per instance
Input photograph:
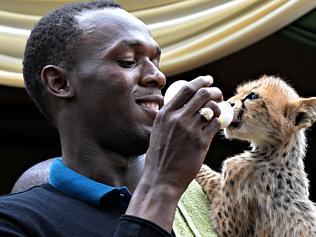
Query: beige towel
(192, 215)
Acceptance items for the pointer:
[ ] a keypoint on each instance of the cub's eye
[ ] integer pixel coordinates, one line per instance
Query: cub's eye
(252, 96)
(126, 63)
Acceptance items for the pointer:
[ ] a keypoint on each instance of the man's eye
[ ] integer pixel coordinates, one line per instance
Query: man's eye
(252, 96)
(126, 63)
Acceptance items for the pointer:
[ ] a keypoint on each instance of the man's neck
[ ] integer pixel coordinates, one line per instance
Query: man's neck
(106, 166)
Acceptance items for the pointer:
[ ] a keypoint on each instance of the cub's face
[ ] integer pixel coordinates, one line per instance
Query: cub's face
(268, 111)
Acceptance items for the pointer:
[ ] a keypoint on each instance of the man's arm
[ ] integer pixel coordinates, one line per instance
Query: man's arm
(179, 142)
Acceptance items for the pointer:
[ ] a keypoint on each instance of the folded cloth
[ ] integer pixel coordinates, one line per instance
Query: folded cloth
(192, 216)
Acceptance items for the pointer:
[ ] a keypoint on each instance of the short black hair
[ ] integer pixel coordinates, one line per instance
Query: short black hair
(52, 41)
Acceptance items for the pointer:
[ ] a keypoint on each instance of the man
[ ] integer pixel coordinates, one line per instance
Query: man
(93, 70)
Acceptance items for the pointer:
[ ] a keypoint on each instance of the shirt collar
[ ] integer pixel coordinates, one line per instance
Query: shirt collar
(81, 187)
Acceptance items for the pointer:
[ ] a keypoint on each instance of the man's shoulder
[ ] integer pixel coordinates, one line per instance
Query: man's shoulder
(40, 200)
(26, 209)
(42, 211)
(46, 211)
(28, 198)
(37, 203)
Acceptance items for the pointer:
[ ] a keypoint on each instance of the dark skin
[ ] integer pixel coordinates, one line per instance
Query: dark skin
(109, 111)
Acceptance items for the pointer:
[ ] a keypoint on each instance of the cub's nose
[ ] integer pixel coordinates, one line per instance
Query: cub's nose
(231, 103)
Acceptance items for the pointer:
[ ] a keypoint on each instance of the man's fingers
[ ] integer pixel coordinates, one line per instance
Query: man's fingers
(188, 90)
(212, 128)
(198, 118)
(204, 97)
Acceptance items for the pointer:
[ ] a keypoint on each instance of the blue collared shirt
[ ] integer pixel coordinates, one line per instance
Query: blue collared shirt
(85, 189)
(72, 205)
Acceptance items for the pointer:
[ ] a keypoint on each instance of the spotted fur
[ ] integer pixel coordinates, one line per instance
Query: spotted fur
(264, 191)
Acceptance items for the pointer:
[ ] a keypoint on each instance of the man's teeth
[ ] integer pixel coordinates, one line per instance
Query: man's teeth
(150, 105)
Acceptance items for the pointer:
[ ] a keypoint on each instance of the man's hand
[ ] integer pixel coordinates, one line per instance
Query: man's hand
(179, 142)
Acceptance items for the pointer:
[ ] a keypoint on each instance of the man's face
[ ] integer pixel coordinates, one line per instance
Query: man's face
(117, 80)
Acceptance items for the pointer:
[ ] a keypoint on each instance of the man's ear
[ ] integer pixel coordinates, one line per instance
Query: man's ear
(56, 82)
(302, 112)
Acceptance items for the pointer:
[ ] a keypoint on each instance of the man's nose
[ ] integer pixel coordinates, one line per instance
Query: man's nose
(152, 76)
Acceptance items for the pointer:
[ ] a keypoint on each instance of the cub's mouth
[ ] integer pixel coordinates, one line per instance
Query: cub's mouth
(236, 123)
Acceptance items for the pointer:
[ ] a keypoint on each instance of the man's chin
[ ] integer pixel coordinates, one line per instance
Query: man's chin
(137, 150)
(138, 143)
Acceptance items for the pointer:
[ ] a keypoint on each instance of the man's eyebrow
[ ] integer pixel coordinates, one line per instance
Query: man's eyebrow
(134, 43)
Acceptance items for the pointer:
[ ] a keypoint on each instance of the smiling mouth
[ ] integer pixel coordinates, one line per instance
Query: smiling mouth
(150, 105)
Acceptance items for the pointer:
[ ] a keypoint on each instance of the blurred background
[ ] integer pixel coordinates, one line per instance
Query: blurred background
(234, 41)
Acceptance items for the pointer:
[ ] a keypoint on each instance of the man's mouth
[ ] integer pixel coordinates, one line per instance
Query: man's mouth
(150, 105)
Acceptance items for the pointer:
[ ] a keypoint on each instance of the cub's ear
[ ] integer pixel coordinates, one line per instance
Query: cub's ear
(302, 112)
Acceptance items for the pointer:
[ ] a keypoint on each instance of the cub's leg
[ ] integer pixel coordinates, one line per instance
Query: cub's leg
(210, 182)
(227, 220)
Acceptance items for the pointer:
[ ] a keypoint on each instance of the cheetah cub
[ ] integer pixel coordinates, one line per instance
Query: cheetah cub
(264, 191)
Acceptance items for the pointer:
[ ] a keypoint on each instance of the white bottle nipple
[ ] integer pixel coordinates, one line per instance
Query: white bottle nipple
(227, 114)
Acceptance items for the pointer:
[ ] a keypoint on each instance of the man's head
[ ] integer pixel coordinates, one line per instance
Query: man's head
(52, 42)
(105, 85)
